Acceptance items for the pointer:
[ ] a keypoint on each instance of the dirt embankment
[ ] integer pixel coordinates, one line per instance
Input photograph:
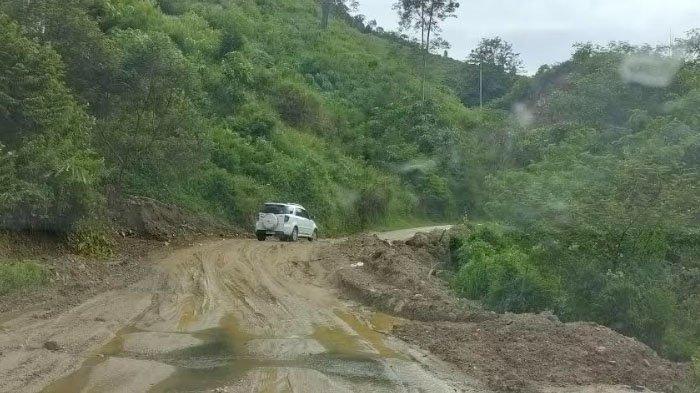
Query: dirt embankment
(151, 219)
(525, 352)
(71, 278)
(140, 226)
(399, 278)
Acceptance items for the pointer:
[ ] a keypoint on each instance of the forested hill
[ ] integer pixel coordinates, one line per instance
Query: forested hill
(218, 107)
(584, 176)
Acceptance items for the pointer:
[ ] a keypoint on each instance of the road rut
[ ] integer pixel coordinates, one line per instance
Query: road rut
(228, 316)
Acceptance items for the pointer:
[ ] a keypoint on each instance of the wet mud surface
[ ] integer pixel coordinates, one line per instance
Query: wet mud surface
(226, 316)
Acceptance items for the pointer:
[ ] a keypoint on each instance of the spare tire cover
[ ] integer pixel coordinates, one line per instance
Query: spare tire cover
(269, 221)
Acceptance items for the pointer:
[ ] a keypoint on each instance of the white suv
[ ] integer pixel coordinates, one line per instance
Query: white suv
(287, 221)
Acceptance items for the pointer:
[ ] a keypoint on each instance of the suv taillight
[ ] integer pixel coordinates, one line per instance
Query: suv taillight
(286, 218)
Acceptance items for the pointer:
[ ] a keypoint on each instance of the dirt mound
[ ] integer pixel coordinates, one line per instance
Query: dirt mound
(399, 278)
(508, 352)
(517, 352)
(149, 218)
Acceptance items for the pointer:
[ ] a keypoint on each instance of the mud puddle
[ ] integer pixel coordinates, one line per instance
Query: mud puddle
(369, 338)
(238, 316)
(226, 354)
(78, 380)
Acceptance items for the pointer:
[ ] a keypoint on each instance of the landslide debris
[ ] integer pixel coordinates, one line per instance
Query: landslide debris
(509, 352)
(518, 352)
(399, 278)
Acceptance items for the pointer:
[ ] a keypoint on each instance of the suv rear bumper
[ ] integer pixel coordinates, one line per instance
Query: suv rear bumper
(281, 230)
(271, 233)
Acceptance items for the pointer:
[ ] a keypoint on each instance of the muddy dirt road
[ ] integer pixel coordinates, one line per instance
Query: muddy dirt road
(225, 316)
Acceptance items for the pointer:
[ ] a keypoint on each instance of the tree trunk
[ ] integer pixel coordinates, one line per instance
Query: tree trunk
(422, 43)
(426, 51)
(326, 6)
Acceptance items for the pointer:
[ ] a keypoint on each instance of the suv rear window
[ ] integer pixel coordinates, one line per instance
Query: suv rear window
(276, 209)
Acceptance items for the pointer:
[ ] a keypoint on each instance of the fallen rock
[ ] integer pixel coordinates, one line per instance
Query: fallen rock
(52, 346)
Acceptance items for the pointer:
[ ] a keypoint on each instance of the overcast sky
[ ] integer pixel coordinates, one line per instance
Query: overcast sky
(543, 31)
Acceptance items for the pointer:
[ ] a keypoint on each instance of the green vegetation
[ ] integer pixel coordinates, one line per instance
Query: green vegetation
(20, 275)
(91, 238)
(695, 383)
(217, 107)
(593, 210)
(585, 176)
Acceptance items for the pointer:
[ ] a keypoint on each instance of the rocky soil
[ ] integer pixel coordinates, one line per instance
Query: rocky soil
(525, 352)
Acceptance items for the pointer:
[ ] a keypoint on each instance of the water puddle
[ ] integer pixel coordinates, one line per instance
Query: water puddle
(224, 356)
(188, 314)
(372, 331)
(78, 380)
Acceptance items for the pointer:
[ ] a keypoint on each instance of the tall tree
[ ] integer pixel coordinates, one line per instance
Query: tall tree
(490, 71)
(48, 173)
(498, 53)
(690, 45)
(425, 16)
(329, 6)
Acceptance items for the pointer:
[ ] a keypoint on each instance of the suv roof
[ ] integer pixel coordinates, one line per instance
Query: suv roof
(286, 204)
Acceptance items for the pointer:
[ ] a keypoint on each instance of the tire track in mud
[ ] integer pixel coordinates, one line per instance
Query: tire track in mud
(232, 315)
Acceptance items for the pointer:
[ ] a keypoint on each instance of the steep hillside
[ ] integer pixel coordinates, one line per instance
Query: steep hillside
(584, 177)
(594, 197)
(217, 107)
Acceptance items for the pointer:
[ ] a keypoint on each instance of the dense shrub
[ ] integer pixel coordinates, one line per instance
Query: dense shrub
(495, 269)
(91, 238)
(49, 172)
(299, 107)
(512, 270)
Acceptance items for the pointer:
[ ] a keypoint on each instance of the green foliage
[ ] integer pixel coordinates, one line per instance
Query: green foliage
(495, 269)
(49, 171)
(489, 73)
(20, 275)
(599, 195)
(511, 270)
(299, 107)
(696, 368)
(588, 171)
(212, 105)
(91, 238)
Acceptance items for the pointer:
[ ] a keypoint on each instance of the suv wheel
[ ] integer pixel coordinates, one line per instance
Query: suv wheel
(295, 235)
(262, 236)
(314, 236)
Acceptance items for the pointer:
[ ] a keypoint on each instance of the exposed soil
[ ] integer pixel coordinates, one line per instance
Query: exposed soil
(509, 352)
(71, 278)
(519, 352)
(140, 227)
(151, 219)
(400, 278)
(238, 315)
(230, 315)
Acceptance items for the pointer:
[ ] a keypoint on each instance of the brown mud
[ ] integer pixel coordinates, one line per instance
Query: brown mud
(230, 315)
(238, 315)
(526, 352)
